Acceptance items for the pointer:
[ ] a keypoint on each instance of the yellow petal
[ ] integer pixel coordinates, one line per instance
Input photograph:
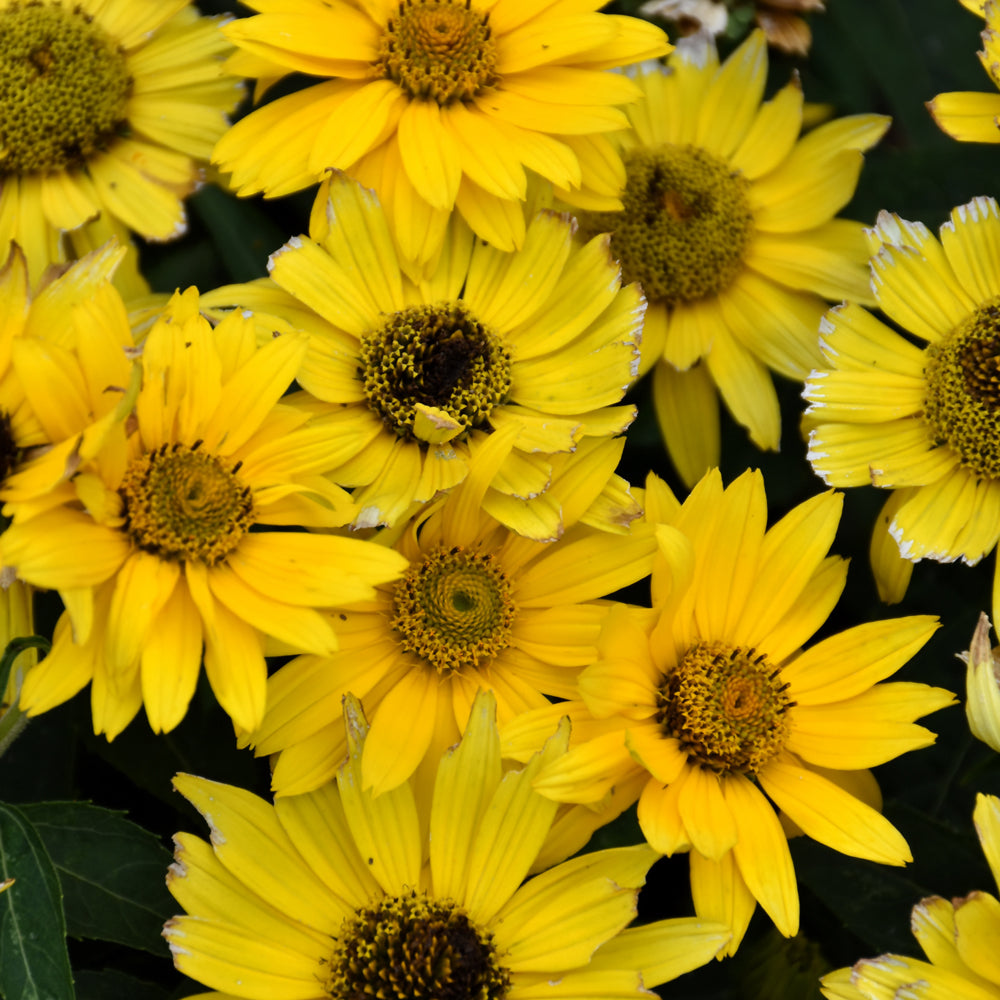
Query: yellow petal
(967, 115)
(762, 854)
(721, 895)
(833, 817)
(385, 829)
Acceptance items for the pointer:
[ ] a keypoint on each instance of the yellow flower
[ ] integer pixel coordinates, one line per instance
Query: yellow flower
(438, 105)
(477, 607)
(106, 109)
(982, 687)
(725, 714)
(414, 378)
(959, 938)
(916, 414)
(340, 893)
(968, 115)
(159, 522)
(728, 226)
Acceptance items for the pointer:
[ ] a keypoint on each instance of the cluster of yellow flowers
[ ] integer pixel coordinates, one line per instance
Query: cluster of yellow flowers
(393, 463)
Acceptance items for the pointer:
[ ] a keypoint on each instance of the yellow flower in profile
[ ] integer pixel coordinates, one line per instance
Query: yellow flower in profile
(729, 227)
(340, 893)
(982, 686)
(106, 109)
(970, 116)
(414, 378)
(159, 523)
(958, 936)
(477, 607)
(16, 624)
(438, 105)
(916, 413)
(728, 717)
(64, 375)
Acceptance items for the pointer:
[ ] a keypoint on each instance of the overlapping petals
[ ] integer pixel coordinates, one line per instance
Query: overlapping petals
(287, 880)
(766, 723)
(869, 401)
(534, 98)
(159, 515)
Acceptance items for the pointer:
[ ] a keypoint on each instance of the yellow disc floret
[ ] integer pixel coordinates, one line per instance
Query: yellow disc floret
(962, 405)
(184, 504)
(64, 87)
(437, 355)
(454, 609)
(685, 226)
(727, 706)
(413, 947)
(438, 50)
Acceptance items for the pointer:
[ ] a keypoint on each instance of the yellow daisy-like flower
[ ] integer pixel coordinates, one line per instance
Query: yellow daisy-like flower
(725, 714)
(415, 377)
(919, 417)
(159, 524)
(106, 108)
(970, 116)
(438, 105)
(729, 227)
(478, 607)
(958, 936)
(340, 893)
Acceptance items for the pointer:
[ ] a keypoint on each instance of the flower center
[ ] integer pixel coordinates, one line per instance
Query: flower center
(727, 707)
(181, 503)
(963, 391)
(64, 87)
(454, 609)
(438, 50)
(412, 947)
(438, 355)
(685, 226)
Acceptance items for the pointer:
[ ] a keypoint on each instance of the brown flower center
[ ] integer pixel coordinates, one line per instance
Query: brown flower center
(438, 50)
(184, 504)
(437, 355)
(454, 609)
(412, 947)
(685, 226)
(727, 707)
(962, 405)
(64, 87)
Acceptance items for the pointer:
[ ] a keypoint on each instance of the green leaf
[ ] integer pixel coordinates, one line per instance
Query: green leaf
(871, 901)
(34, 963)
(112, 873)
(243, 235)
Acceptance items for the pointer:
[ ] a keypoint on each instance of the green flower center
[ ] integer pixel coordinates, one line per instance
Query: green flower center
(454, 609)
(727, 707)
(64, 88)
(437, 355)
(413, 947)
(685, 226)
(963, 391)
(438, 50)
(184, 504)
